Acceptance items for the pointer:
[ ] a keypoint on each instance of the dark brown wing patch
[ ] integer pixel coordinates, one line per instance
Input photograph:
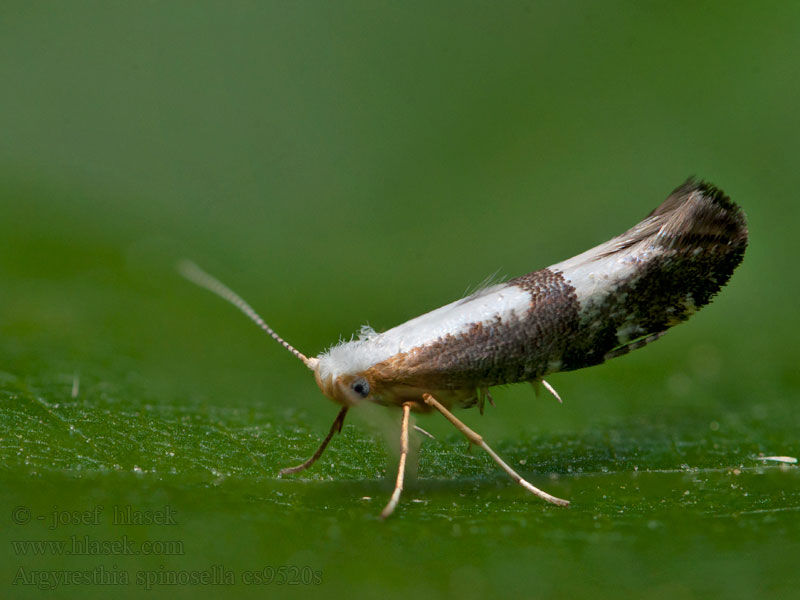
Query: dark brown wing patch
(495, 352)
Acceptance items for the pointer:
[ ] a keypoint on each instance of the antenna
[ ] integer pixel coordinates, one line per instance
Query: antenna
(199, 277)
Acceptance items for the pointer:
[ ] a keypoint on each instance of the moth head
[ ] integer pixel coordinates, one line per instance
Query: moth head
(347, 389)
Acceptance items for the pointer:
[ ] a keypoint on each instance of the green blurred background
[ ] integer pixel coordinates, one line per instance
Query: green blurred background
(364, 162)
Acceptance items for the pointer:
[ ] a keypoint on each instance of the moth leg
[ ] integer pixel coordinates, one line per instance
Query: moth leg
(401, 468)
(483, 396)
(537, 389)
(478, 441)
(335, 428)
(423, 432)
(552, 390)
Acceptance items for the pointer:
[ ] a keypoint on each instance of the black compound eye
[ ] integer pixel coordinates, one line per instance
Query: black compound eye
(361, 387)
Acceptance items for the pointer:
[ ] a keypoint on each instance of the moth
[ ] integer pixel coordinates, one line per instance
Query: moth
(598, 305)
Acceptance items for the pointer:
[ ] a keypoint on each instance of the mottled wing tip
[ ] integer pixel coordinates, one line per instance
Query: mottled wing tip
(704, 234)
(699, 213)
(696, 215)
(708, 190)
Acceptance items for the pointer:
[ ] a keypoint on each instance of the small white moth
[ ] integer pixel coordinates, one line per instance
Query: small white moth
(614, 298)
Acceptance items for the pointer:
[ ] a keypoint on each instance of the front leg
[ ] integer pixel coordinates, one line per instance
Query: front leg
(335, 428)
(401, 468)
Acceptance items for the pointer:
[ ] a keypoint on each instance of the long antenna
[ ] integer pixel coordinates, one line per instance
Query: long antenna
(199, 277)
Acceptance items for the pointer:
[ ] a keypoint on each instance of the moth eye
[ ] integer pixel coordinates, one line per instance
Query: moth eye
(361, 387)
